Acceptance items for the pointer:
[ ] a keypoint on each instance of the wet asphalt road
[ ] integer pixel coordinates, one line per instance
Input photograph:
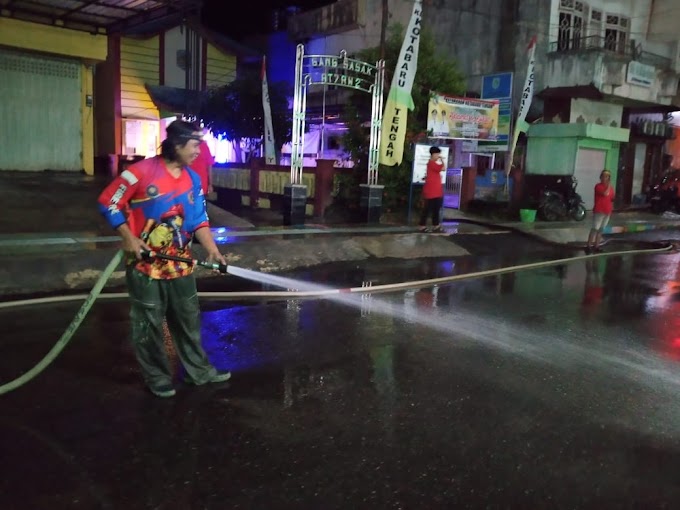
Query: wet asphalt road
(554, 388)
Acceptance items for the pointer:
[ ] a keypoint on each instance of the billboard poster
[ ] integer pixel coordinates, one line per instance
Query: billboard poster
(462, 118)
(420, 159)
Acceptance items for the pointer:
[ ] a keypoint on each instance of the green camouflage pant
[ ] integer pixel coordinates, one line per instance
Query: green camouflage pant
(152, 302)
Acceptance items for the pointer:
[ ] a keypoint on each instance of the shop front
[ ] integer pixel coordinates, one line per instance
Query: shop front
(581, 150)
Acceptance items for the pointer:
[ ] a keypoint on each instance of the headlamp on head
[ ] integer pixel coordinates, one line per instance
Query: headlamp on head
(186, 137)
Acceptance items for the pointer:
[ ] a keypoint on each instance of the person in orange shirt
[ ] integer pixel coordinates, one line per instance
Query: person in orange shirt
(602, 210)
(202, 165)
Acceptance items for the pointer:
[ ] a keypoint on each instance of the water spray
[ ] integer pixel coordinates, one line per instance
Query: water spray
(311, 291)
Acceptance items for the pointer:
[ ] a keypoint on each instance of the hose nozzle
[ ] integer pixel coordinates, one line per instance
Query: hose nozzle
(215, 266)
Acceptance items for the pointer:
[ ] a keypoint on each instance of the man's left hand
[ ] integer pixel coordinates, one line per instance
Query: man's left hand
(216, 256)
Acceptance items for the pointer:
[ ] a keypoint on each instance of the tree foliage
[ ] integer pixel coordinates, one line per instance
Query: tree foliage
(235, 109)
(436, 73)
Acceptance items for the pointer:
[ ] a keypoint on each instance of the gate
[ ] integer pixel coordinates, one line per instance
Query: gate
(452, 188)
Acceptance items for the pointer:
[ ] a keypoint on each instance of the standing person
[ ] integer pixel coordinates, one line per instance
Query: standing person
(157, 205)
(433, 192)
(602, 210)
(202, 165)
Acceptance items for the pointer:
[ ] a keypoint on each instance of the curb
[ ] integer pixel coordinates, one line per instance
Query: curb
(639, 227)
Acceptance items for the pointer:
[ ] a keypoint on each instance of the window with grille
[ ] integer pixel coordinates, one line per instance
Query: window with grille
(571, 31)
(595, 27)
(616, 32)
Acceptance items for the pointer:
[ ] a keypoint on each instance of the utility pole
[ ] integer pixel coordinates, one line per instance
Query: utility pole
(383, 27)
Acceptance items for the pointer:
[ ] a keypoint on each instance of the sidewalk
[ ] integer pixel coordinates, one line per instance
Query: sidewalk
(577, 232)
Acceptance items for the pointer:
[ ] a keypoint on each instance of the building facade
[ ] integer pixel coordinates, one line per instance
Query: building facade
(610, 81)
(606, 76)
(153, 75)
(482, 37)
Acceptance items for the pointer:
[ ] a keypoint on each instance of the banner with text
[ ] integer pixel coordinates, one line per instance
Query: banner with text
(399, 99)
(462, 118)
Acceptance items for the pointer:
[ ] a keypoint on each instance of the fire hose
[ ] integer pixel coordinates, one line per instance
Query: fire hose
(90, 298)
(85, 308)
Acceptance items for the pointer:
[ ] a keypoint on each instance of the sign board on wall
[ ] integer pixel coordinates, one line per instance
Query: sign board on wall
(420, 159)
(462, 118)
(499, 86)
(640, 74)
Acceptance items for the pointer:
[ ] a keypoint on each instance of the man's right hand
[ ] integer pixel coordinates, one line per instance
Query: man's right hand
(131, 243)
(135, 246)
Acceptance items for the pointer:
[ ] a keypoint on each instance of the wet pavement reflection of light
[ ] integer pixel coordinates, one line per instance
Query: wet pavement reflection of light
(558, 385)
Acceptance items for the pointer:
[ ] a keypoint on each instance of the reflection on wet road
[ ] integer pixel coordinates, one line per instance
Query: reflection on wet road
(555, 388)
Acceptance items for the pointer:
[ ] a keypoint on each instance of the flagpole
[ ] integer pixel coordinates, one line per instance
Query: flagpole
(521, 125)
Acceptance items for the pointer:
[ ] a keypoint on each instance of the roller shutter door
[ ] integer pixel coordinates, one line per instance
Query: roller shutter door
(40, 113)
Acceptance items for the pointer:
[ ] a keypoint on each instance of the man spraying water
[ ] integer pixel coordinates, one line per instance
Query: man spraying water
(157, 206)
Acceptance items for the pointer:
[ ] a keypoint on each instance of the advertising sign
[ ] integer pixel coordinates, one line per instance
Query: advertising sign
(499, 86)
(462, 118)
(420, 159)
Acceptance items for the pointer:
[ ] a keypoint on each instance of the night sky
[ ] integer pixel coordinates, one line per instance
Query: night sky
(252, 16)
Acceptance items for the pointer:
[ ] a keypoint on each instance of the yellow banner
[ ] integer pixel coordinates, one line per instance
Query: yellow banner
(393, 133)
(399, 99)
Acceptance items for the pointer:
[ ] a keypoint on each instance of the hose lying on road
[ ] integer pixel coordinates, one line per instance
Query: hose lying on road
(224, 296)
(70, 331)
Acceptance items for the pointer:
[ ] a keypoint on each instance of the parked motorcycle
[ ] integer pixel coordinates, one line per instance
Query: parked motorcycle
(555, 205)
(665, 195)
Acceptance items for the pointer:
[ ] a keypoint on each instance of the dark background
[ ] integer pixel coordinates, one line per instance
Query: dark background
(249, 17)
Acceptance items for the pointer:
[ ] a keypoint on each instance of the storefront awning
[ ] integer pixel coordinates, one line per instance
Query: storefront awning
(176, 101)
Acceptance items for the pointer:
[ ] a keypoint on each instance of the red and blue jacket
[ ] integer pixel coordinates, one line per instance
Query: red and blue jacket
(159, 208)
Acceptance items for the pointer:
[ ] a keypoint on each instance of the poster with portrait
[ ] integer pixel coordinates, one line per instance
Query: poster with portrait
(462, 118)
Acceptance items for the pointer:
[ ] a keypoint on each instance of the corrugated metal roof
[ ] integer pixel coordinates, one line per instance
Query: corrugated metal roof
(96, 15)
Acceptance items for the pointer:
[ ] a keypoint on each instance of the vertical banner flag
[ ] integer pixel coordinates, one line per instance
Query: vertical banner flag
(269, 146)
(525, 101)
(399, 98)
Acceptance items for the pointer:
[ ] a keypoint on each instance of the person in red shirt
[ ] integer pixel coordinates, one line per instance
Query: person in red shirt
(157, 205)
(602, 210)
(202, 166)
(433, 192)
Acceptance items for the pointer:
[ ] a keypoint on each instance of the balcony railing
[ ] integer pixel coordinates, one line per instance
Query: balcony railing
(591, 42)
(334, 18)
(615, 47)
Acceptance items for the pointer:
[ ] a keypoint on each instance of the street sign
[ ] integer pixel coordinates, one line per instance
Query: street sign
(499, 86)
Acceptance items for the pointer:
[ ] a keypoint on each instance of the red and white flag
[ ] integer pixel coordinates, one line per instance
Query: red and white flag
(269, 145)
